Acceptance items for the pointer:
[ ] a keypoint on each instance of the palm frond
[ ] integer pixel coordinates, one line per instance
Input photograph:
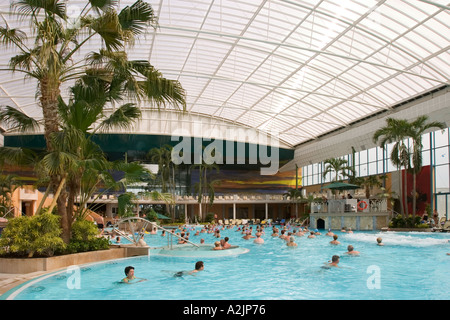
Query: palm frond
(18, 120)
(15, 156)
(28, 8)
(123, 117)
(11, 36)
(133, 19)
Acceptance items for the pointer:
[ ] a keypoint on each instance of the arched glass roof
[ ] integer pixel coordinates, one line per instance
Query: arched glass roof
(297, 69)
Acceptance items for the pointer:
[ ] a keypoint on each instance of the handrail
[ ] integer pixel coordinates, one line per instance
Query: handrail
(11, 210)
(141, 232)
(173, 234)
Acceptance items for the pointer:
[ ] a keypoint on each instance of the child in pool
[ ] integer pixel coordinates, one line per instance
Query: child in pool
(130, 278)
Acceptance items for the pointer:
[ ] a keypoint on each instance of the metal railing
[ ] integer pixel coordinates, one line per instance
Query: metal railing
(137, 234)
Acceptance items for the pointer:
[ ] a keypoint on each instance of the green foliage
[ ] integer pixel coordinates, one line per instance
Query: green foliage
(151, 215)
(125, 204)
(83, 230)
(90, 245)
(27, 236)
(408, 222)
(84, 238)
(209, 217)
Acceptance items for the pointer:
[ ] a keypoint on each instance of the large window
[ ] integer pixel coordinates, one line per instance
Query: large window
(441, 160)
(435, 150)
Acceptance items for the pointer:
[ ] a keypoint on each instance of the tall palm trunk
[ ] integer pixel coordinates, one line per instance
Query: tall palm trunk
(50, 91)
(400, 188)
(414, 200)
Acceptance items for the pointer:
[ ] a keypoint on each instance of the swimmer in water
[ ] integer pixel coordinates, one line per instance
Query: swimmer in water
(199, 266)
(130, 278)
(291, 242)
(379, 242)
(334, 263)
(334, 241)
(351, 251)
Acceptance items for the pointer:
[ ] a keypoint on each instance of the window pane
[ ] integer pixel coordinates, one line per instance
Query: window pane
(357, 158)
(363, 170)
(380, 167)
(441, 138)
(363, 156)
(391, 167)
(442, 179)
(315, 179)
(441, 155)
(426, 141)
(372, 168)
(426, 158)
(372, 154)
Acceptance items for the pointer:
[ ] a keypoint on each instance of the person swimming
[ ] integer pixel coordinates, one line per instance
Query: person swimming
(334, 263)
(199, 266)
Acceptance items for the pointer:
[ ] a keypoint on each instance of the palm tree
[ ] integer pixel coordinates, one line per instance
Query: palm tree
(163, 158)
(369, 183)
(204, 187)
(8, 184)
(295, 196)
(75, 157)
(395, 131)
(53, 59)
(339, 166)
(417, 129)
(166, 173)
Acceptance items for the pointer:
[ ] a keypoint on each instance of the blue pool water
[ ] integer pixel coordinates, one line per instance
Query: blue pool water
(411, 266)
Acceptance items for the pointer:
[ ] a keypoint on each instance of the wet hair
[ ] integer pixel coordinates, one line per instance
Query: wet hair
(127, 269)
(335, 258)
(198, 265)
(335, 237)
(350, 248)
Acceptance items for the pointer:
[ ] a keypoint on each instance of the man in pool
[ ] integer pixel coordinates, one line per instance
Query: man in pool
(291, 242)
(199, 266)
(334, 261)
(258, 238)
(334, 241)
(350, 251)
(130, 277)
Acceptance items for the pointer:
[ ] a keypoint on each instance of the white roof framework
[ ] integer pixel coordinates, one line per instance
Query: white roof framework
(299, 69)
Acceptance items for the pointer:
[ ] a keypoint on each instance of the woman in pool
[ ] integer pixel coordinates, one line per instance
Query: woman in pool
(130, 278)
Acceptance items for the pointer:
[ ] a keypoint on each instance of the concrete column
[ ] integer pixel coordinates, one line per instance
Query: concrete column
(267, 211)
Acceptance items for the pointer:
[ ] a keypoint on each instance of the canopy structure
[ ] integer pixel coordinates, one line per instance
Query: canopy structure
(295, 69)
(341, 186)
(162, 217)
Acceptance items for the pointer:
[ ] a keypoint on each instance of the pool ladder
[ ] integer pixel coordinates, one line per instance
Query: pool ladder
(136, 235)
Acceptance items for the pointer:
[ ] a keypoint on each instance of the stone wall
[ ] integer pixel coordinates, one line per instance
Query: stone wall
(28, 265)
